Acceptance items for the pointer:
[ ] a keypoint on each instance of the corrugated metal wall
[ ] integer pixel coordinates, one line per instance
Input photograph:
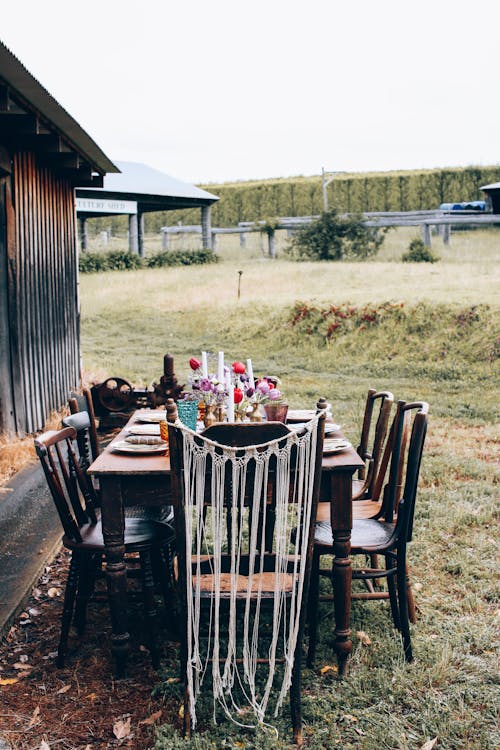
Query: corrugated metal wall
(44, 293)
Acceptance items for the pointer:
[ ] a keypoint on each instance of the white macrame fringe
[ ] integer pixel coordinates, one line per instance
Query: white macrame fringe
(206, 537)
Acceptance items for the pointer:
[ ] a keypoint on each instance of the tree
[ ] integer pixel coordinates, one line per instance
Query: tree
(335, 237)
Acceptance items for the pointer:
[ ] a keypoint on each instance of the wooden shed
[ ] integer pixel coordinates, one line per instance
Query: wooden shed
(140, 189)
(44, 153)
(493, 193)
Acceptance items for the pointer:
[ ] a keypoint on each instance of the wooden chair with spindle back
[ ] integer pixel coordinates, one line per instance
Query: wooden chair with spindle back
(374, 449)
(387, 534)
(75, 503)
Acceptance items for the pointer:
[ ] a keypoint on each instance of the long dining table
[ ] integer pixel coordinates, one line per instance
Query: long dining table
(141, 479)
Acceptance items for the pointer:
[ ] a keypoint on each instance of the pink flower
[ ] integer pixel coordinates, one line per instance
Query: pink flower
(274, 394)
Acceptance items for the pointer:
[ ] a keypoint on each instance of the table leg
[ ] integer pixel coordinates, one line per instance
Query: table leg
(113, 529)
(341, 519)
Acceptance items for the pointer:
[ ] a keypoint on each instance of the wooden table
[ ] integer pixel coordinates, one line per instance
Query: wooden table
(145, 480)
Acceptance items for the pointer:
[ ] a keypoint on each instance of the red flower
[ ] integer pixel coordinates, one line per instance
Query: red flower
(238, 395)
(238, 368)
(194, 363)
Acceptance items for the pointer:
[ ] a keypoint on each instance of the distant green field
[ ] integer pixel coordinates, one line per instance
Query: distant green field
(442, 346)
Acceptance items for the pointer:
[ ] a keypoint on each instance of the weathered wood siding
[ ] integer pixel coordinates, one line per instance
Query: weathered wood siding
(43, 293)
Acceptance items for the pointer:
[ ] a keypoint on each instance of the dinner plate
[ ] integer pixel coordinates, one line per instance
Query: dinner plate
(151, 416)
(143, 429)
(123, 447)
(335, 445)
(300, 415)
(331, 427)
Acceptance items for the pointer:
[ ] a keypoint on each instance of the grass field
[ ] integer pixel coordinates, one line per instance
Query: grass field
(442, 346)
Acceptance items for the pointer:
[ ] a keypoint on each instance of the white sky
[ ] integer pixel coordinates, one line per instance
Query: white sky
(226, 90)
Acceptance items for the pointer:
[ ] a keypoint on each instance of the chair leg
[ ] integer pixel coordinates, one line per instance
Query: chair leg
(393, 597)
(69, 602)
(149, 606)
(412, 610)
(312, 609)
(86, 581)
(295, 704)
(403, 604)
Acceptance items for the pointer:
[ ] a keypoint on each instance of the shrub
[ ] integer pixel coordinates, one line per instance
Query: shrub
(419, 253)
(122, 260)
(181, 258)
(335, 237)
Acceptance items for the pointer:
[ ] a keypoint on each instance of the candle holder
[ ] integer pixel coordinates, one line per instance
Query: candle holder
(276, 412)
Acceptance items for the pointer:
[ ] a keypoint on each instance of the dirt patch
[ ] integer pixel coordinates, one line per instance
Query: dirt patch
(80, 706)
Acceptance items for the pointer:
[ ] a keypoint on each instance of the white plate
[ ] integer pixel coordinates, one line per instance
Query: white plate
(335, 445)
(151, 416)
(123, 447)
(331, 427)
(143, 429)
(300, 415)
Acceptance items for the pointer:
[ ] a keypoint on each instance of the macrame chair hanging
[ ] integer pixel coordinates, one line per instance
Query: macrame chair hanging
(244, 524)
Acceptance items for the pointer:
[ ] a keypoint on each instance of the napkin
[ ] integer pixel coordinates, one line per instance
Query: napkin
(144, 440)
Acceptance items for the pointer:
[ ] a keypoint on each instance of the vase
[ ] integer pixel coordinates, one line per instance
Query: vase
(188, 413)
(276, 412)
(255, 415)
(210, 417)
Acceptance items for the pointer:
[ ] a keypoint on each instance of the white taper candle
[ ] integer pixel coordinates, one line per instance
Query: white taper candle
(251, 381)
(204, 365)
(230, 403)
(220, 369)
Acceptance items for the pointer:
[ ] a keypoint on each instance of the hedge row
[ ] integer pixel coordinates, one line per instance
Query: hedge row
(122, 260)
(351, 193)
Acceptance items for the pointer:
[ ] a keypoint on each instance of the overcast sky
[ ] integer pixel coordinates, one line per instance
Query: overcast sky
(234, 90)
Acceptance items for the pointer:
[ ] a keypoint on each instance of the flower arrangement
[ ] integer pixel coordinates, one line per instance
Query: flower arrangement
(234, 387)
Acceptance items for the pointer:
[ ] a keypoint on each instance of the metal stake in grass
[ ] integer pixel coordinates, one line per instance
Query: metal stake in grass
(239, 283)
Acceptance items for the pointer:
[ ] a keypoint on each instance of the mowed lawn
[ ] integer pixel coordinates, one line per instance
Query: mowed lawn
(442, 346)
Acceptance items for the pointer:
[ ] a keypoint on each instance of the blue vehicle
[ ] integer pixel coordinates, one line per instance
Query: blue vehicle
(464, 206)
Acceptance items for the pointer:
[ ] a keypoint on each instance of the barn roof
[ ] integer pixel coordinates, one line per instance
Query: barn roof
(31, 118)
(151, 189)
(493, 186)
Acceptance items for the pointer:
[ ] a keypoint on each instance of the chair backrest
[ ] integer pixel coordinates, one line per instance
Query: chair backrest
(232, 555)
(79, 402)
(80, 421)
(409, 431)
(373, 435)
(72, 493)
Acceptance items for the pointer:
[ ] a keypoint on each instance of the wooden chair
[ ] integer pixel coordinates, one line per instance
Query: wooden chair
(82, 402)
(375, 450)
(388, 534)
(249, 478)
(75, 501)
(82, 423)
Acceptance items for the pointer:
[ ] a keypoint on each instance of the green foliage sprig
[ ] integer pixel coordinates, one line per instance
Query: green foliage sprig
(335, 237)
(418, 252)
(122, 260)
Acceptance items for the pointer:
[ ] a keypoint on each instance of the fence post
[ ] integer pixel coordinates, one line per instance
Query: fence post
(213, 243)
(164, 238)
(140, 234)
(271, 240)
(206, 234)
(84, 237)
(243, 239)
(446, 234)
(426, 234)
(133, 238)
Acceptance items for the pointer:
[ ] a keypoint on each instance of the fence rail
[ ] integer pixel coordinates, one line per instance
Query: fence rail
(424, 219)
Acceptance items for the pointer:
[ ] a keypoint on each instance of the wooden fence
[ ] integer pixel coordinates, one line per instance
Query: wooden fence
(442, 220)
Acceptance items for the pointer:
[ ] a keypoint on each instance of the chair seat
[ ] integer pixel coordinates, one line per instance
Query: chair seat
(266, 582)
(367, 534)
(360, 509)
(139, 533)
